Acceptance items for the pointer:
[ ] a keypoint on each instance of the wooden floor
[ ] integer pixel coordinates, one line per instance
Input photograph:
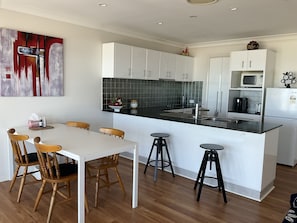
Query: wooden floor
(168, 200)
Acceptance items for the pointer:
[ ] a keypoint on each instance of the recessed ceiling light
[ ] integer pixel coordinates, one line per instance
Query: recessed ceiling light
(102, 4)
(160, 23)
(202, 1)
(233, 9)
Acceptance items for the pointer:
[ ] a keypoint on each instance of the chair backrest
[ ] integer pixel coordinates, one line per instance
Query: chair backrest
(116, 133)
(47, 157)
(18, 146)
(82, 125)
(113, 132)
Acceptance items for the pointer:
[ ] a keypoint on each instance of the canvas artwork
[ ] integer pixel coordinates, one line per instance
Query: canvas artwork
(30, 64)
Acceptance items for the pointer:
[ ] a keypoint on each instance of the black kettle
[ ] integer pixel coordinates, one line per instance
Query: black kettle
(240, 105)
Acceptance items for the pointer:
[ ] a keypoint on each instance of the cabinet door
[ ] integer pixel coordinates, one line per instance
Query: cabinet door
(152, 64)
(224, 87)
(138, 63)
(122, 61)
(238, 60)
(167, 66)
(184, 68)
(248, 60)
(256, 59)
(218, 86)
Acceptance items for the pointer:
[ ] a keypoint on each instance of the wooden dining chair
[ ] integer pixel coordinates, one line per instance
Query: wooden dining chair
(102, 165)
(83, 125)
(54, 173)
(77, 124)
(22, 159)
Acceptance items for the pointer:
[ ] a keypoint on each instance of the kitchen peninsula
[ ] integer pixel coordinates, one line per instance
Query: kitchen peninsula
(248, 161)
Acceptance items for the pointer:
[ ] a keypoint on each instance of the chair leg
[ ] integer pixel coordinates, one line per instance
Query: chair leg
(39, 195)
(14, 178)
(120, 179)
(68, 188)
(87, 204)
(23, 180)
(106, 177)
(50, 211)
(97, 188)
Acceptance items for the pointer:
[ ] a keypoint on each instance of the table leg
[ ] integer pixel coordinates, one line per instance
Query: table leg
(81, 191)
(135, 178)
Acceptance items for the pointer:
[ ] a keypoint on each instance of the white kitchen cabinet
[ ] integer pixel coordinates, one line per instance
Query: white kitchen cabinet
(252, 61)
(124, 61)
(152, 64)
(184, 68)
(116, 60)
(246, 60)
(218, 86)
(167, 66)
(138, 63)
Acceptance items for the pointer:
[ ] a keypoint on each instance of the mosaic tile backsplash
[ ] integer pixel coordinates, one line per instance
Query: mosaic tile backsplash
(152, 93)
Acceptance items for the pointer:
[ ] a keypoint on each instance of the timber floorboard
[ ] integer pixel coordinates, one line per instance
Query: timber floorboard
(167, 200)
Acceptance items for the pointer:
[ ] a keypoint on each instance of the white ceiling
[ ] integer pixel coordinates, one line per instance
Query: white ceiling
(212, 22)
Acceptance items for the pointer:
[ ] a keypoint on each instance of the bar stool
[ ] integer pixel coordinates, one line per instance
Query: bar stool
(159, 143)
(210, 156)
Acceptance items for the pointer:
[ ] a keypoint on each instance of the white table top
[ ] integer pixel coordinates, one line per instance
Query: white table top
(87, 144)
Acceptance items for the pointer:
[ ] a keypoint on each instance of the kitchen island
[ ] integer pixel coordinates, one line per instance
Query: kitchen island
(248, 161)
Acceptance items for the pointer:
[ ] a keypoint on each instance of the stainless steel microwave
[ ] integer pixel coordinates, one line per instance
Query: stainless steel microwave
(251, 79)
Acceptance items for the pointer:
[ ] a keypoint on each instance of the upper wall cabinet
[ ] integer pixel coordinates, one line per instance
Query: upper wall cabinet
(116, 60)
(248, 60)
(138, 62)
(152, 64)
(167, 66)
(124, 61)
(184, 68)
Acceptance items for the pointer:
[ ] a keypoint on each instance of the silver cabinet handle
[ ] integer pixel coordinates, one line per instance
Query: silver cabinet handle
(221, 101)
(217, 102)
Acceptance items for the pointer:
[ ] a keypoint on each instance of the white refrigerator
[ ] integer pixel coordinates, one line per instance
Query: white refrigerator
(281, 108)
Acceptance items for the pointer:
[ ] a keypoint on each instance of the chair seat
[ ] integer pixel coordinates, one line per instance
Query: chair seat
(32, 157)
(67, 169)
(102, 163)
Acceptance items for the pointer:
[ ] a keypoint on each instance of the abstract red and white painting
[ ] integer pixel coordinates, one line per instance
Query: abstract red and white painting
(30, 64)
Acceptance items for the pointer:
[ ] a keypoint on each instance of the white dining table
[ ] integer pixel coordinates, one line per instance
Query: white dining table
(85, 145)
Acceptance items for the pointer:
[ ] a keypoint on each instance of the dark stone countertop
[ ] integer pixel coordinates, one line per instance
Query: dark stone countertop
(158, 113)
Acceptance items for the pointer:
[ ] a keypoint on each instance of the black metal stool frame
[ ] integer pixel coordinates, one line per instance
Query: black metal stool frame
(210, 155)
(159, 142)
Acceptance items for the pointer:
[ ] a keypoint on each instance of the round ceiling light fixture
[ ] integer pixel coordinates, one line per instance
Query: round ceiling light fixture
(202, 2)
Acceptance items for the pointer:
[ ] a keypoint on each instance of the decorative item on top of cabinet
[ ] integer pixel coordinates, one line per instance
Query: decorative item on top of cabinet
(252, 45)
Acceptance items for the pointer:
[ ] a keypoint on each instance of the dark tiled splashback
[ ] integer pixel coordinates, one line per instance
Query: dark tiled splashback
(152, 93)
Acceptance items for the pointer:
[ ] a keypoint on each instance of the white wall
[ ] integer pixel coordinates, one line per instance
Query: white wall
(82, 79)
